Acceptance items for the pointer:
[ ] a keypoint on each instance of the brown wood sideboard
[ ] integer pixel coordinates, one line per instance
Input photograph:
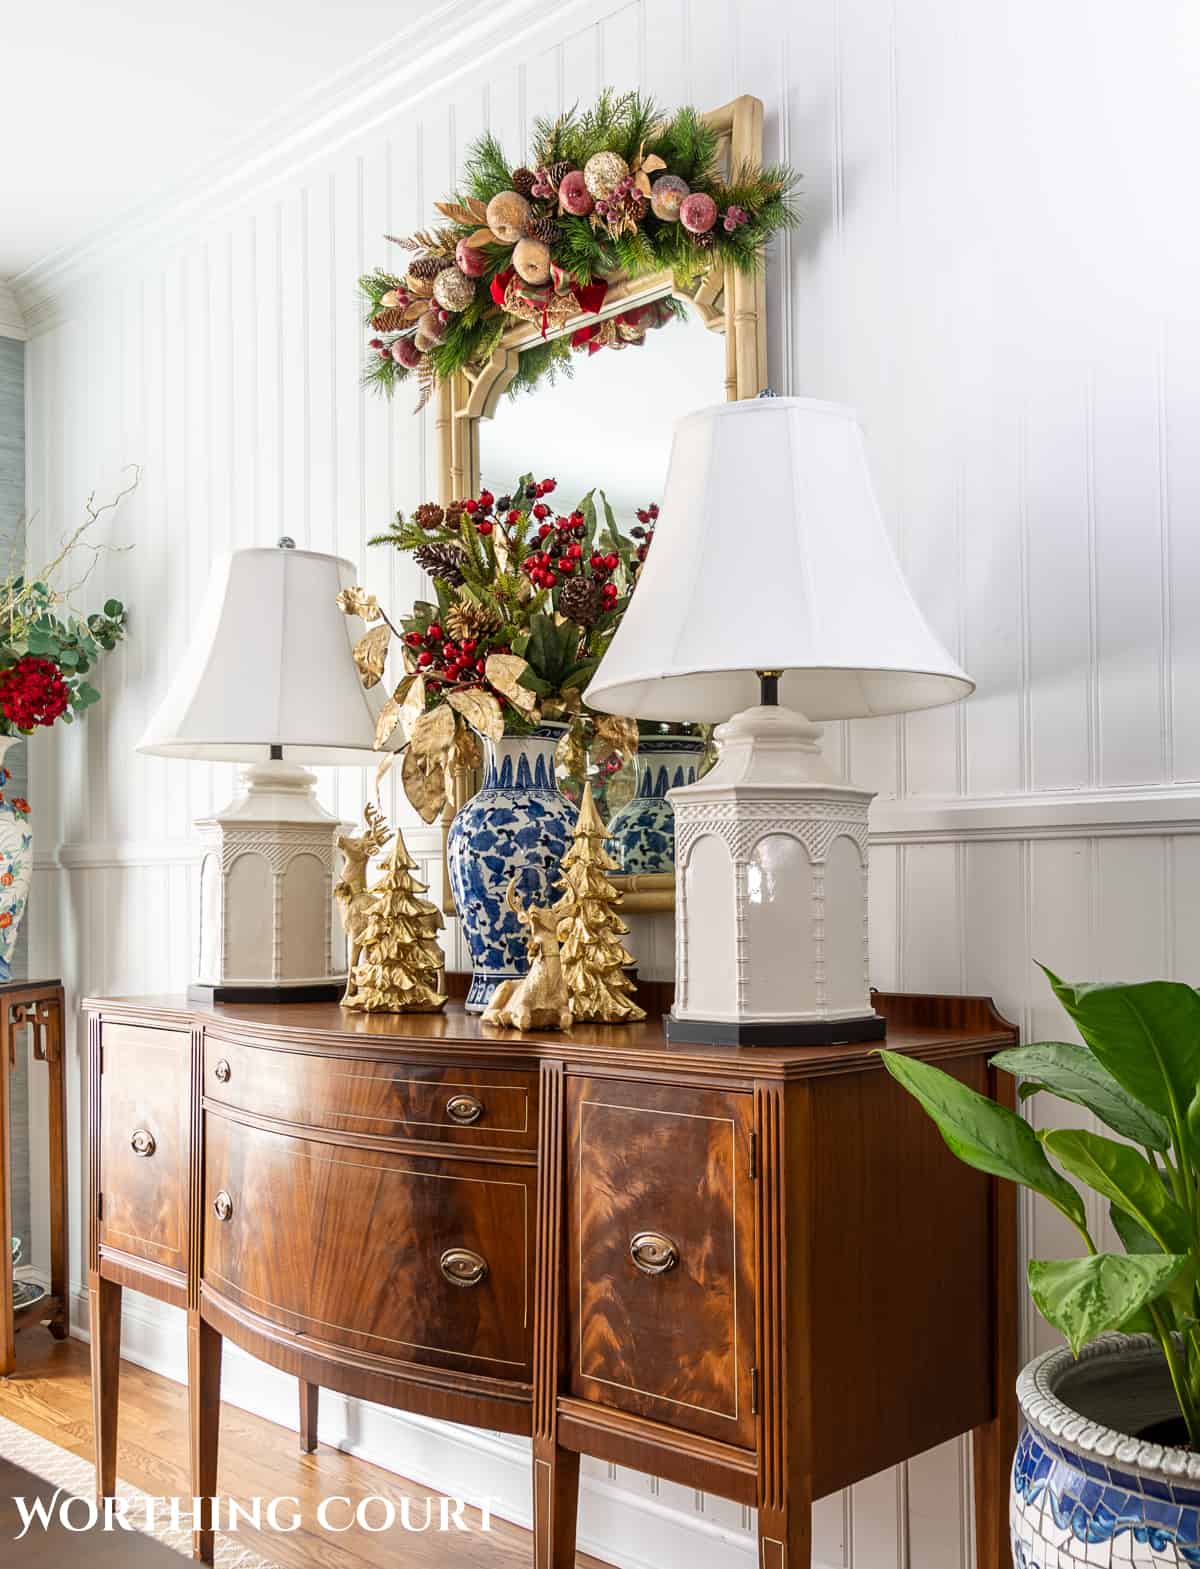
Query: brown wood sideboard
(758, 1272)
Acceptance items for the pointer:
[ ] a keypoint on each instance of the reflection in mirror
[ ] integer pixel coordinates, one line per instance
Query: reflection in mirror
(606, 422)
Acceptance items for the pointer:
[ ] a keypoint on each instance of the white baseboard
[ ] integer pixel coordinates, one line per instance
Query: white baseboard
(616, 1525)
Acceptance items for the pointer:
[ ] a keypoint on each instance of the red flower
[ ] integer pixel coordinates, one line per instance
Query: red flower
(21, 804)
(6, 918)
(33, 692)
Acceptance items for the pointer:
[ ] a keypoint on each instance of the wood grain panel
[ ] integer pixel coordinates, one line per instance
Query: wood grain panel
(144, 1090)
(678, 1346)
(390, 1098)
(350, 1254)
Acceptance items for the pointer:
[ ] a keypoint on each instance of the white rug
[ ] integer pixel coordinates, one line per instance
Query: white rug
(78, 1476)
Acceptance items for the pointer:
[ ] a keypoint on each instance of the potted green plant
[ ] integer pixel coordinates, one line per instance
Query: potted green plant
(1110, 1448)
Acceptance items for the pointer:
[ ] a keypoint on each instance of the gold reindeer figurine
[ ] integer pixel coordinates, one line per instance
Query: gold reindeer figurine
(539, 1001)
(354, 898)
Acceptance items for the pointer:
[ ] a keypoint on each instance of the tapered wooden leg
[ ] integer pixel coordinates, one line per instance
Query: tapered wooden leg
(8, 1357)
(785, 1532)
(310, 1395)
(60, 1324)
(555, 1505)
(104, 1312)
(993, 1444)
(204, 1419)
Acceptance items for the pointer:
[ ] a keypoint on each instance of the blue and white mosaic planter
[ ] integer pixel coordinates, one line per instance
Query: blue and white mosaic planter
(16, 863)
(642, 833)
(1084, 1493)
(518, 825)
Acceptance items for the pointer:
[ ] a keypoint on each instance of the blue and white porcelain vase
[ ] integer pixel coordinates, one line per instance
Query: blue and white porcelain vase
(642, 833)
(1087, 1488)
(518, 825)
(16, 863)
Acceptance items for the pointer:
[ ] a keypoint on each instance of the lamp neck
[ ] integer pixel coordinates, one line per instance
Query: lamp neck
(768, 686)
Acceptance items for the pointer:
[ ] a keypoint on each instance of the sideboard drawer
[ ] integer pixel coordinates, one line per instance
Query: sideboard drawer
(144, 1142)
(405, 1257)
(660, 1219)
(393, 1098)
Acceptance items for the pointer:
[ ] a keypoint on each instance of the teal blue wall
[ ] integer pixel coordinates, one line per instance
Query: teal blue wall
(12, 545)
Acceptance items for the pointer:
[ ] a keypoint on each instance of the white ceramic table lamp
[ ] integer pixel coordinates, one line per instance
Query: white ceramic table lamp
(269, 680)
(772, 594)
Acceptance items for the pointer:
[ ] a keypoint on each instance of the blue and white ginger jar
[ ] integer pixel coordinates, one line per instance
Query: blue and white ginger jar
(642, 833)
(1086, 1490)
(519, 824)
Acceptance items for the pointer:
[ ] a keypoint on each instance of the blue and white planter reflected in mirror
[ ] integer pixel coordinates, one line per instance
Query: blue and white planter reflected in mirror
(642, 834)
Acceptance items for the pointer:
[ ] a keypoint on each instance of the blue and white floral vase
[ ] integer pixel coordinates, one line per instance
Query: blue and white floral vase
(518, 825)
(16, 863)
(642, 833)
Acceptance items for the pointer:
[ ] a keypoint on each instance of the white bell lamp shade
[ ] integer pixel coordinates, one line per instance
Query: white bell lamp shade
(770, 553)
(269, 680)
(772, 594)
(269, 665)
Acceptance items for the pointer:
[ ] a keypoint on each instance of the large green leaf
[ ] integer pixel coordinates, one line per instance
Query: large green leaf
(1071, 1072)
(1085, 1297)
(984, 1135)
(1147, 1035)
(1135, 1237)
(1126, 1178)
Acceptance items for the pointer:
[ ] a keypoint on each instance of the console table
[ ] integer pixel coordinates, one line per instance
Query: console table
(38, 1007)
(755, 1271)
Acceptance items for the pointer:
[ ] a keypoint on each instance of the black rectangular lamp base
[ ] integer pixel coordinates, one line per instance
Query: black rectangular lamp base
(331, 990)
(801, 1032)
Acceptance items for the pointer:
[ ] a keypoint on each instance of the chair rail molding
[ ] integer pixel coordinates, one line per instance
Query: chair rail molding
(1069, 814)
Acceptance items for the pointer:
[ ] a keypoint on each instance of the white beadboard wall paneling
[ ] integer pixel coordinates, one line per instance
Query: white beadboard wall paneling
(994, 268)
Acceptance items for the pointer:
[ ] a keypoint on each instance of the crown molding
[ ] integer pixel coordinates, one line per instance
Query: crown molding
(12, 318)
(458, 39)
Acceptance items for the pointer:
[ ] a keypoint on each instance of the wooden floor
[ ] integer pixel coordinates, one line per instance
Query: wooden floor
(49, 1394)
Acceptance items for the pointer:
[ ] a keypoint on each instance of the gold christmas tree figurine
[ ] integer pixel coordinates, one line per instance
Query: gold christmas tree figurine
(594, 958)
(400, 964)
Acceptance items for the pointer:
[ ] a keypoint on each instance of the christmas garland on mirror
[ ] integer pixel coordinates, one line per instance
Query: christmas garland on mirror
(619, 190)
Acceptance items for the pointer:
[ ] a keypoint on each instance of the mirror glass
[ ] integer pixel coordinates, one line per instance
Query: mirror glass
(606, 421)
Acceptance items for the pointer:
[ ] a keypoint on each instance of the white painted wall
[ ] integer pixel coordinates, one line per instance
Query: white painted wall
(997, 267)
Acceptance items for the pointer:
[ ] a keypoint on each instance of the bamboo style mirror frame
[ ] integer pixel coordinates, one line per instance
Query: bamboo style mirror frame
(723, 301)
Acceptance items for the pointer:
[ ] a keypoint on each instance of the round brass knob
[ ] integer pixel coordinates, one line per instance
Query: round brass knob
(461, 1267)
(222, 1071)
(464, 1109)
(142, 1142)
(222, 1205)
(653, 1253)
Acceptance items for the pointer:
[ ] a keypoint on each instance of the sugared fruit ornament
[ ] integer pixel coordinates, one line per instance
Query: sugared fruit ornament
(532, 260)
(667, 195)
(405, 352)
(574, 196)
(470, 259)
(391, 300)
(431, 326)
(698, 212)
(603, 172)
(423, 343)
(453, 290)
(420, 288)
(508, 216)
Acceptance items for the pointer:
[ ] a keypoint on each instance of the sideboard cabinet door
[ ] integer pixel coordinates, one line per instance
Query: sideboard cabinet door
(144, 1143)
(660, 1253)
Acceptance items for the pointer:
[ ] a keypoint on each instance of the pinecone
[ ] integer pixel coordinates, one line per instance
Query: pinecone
(443, 562)
(428, 515)
(704, 241)
(523, 181)
(559, 171)
(467, 619)
(581, 600)
(429, 266)
(546, 230)
(389, 320)
(454, 514)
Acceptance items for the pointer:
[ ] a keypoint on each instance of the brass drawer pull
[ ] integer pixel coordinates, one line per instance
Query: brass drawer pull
(464, 1109)
(142, 1142)
(461, 1267)
(222, 1205)
(653, 1253)
(222, 1071)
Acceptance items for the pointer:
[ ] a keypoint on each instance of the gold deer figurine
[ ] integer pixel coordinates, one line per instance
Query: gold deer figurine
(353, 897)
(539, 1001)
